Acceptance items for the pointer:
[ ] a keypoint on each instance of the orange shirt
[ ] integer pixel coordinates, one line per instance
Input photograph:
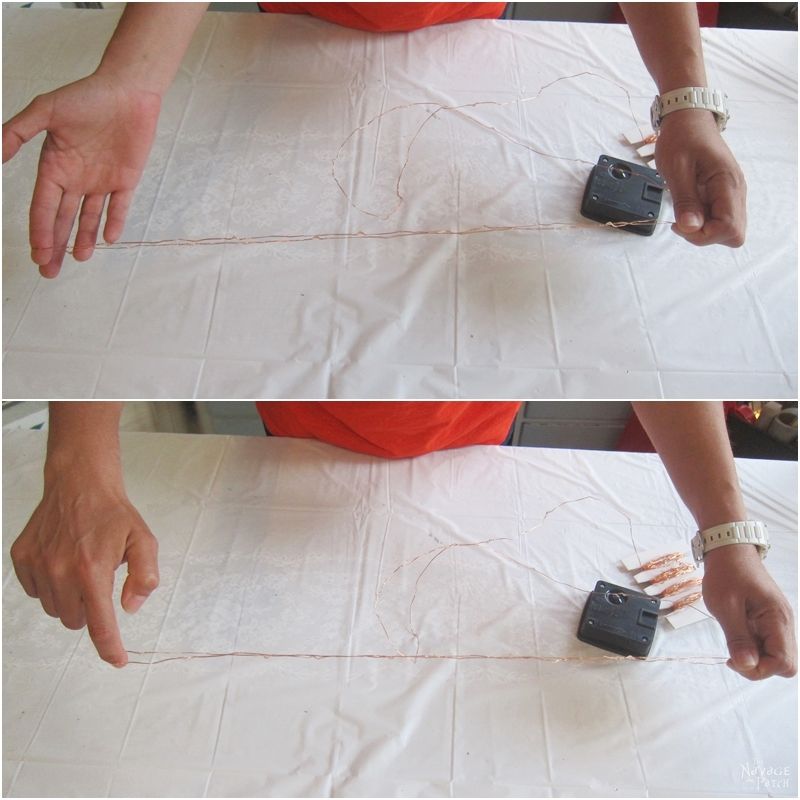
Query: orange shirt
(392, 429)
(390, 16)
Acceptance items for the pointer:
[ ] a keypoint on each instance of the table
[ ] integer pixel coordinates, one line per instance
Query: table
(245, 146)
(281, 546)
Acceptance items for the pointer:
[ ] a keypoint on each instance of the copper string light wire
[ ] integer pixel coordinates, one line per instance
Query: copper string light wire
(677, 588)
(436, 552)
(160, 657)
(461, 110)
(684, 602)
(294, 238)
(661, 561)
(674, 572)
(163, 657)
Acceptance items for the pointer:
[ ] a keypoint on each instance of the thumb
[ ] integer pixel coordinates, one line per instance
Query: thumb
(24, 126)
(742, 645)
(142, 558)
(689, 209)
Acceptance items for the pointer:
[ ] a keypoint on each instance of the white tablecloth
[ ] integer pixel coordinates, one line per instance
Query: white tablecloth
(281, 546)
(245, 144)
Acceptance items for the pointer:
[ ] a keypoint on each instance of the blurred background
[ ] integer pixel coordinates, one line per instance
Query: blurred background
(757, 428)
(765, 16)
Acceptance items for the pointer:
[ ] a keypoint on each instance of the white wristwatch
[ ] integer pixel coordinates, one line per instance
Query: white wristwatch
(712, 100)
(746, 532)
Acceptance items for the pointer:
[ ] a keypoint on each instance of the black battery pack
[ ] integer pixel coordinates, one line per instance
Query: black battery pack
(619, 619)
(620, 191)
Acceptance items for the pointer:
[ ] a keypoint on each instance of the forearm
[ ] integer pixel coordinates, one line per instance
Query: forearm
(668, 38)
(150, 42)
(756, 618)
(692, 440)
(84, 437)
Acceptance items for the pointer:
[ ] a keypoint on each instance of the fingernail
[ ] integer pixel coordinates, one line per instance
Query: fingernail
(134, 603)
(746, 660)
(691, 219)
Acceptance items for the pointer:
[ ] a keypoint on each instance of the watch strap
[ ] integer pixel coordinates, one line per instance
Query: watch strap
(742, 532)
(702, 97)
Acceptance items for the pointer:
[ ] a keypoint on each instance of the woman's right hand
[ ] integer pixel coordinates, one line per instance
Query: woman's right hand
(82, 530)
(99, 134)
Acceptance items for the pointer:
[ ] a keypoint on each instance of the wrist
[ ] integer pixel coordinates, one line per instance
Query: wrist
(720, 516)
(689, 116)
(732, 555)
(686, 67)
(149, 43)
(129, 78)
(86, 466)
(694, 76)
(719, 507)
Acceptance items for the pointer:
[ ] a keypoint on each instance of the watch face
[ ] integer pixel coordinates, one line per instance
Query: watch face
(655, 114)
(697, 548)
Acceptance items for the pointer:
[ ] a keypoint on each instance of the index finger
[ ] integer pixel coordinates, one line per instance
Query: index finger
(727, 221)
(44, 208)
(725, 215)
(778, 654)
(102, 624)
(715, 231)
